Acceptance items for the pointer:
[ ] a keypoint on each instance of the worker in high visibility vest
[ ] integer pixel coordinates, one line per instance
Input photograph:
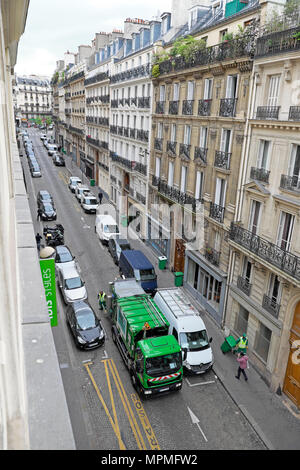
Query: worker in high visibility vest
(242, 344)
(102, 300)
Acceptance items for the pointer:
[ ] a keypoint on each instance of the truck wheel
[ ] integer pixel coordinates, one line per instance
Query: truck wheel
(113, 335)
(133, 381)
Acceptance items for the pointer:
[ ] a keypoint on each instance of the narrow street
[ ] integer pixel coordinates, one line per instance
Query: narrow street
(105, 410)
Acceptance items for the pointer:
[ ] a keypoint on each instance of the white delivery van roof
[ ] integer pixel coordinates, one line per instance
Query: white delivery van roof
(186, 314)
(105, 219)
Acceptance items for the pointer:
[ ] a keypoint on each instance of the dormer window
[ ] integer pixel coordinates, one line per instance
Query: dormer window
(193, 17)
(166, 23)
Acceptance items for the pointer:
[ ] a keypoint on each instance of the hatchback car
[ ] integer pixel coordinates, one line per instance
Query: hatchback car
(116, 246)
(48, 211)
(73, 182)
(35, 170)
(44, 196)
(51, 149)
(58, 160)
(63, 258)
(71, 285)
(85, 326)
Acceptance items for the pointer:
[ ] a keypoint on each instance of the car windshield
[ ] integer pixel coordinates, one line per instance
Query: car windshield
(91, 202)
(125, 246)
(194, 341)
(146, 274)
(156, 366)
(48, 207)
(73, 283)
(111, 229)
(65, 257)
(86, 320)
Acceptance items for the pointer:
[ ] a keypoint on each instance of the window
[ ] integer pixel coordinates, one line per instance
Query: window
(247, 269)
(190, 91)
(231, 87)
(173, 132)
(294, 167)
(241, 321)
(208, 85)
(183, 179)
(171, 174)
(262, 341)
(222, 34)
(199, 185)
(160, 130)
(254, 217)
(220, 192)
(285, 230)
(176, 90)
(187, 135)
(157, 167)
(262, 161)
(274, 292)
(225, 141)
(273, 90)
(203, 137)
(162, 93)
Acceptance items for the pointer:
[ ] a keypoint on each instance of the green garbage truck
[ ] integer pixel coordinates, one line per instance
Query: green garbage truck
(140, 331)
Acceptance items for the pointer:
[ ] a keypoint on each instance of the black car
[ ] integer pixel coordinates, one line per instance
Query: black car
(58, 160)
(116, 246)
(44, 196)
(47, 211)
(85, 326)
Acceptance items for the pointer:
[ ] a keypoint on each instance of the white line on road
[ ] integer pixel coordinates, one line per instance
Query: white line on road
(201, 383)
(196, 421)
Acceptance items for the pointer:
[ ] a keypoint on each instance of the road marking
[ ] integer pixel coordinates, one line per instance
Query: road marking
(105, 355)
(196, 421)
(199, 383)
(145, 422)
(113, 404)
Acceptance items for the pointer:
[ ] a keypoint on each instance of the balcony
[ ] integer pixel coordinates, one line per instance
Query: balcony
(222, 160)
(267, 112)
(228, 107)
(172, 148)
(291, 183)
(277, 43)
(212, 256)
(155, 181)
(140, 168)
(174, 194)
(217, 212)
(260, 174)
(132, 133)
(120, 130)
(113, 129)
(144, 102)
(294, 113)
(267, 251)
(174, 107)
(158, 144)
(134, 101)
(114, 103)
(244, 285)
(271, 306)
(160, 107)
(141, 198)
(185, 151)
(204, 107)
(200, 155)
(137, 72)
(188, 107)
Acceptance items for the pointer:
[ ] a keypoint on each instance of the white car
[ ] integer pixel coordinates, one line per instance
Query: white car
(89, 203)
(52, 148)
(80, 191)
(71, 285)
(73, 182)
(63, 259)
(43, 137)
(106, 227)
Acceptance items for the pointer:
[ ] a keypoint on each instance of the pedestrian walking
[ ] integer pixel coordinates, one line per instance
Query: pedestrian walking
(100, 195)
(39, 214)
(243, 364)
(102, 300)
(38, 239)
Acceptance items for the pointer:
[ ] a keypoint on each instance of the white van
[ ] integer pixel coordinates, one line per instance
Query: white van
(89, 203)
(187, 327)
(51, 149)
(80, 191)
(106, 228)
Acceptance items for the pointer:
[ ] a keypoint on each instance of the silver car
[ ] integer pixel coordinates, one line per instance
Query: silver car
(71, 285)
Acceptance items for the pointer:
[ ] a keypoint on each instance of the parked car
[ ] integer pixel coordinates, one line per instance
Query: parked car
(58, 160)
(134, 264)
(86, 328)
(48, 211)
(35, 169)
(46, 143)
(43, 136)
(31, 154)
(116, 246)
(51, 149)
(71, 285)
(89, 203)
(44, 196)
(106, 227)
(80, 191)
(73, 182)
(63, 258)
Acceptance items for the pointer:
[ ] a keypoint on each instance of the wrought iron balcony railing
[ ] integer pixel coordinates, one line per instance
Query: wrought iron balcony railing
(292, 183)
(217, 212)
(172, 148)
(278, 42)
(260, 174)
(267, 112)
(175, 194)
(212, 256)
(160, 107)
(142, 135)
(294, 113)
(244, 285)
(137, 72)
(155, 180)
(271, 306)
(273, 254)
(201, 154)
(114, 103)
(228, 107)
(173, 107)
(185, 151)
(204, 107)
(144, 102)
(188, 107)
(158, 144)
(222, 160)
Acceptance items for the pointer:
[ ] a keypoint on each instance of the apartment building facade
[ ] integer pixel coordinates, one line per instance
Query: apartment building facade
(33, 97)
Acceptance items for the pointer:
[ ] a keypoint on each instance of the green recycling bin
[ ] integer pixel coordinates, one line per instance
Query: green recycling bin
(228, 344)
(162, 262)
(92, 182)
(178, 279)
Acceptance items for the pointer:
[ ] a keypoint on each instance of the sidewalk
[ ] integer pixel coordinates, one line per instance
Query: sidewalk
(277, 426)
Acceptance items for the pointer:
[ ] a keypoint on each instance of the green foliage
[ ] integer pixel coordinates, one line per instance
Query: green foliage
(228, 37)
(155, 71)
(291, 7)
(187, 47)
(297, 36)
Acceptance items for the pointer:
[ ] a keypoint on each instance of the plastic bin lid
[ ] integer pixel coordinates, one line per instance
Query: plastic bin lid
(231, 341)
(178, 274)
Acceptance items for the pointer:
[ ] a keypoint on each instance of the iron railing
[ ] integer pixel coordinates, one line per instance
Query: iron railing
(204, 107)
(188, 107)
(173, 107)
(278, 42)
(271, 306)
(294, 113)
(292, 183)
(160, 107)
(228, 107)
(175, 195)
(267, 112)
(260, 174)
(213, 256)
(172, 147)
(217, 212)
(244, 285)
(201, 154)
(158, 144)
(185, 151)
(222, 160)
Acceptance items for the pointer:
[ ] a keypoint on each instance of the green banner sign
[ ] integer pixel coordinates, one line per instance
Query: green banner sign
(48, 277)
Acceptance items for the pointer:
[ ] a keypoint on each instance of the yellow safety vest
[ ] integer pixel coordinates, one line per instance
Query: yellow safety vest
(242, 343)
(101, 297)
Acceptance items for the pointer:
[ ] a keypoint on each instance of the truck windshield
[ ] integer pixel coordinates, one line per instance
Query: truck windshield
(194, 341)
(156, 366)
(144, 274)
(111, 229)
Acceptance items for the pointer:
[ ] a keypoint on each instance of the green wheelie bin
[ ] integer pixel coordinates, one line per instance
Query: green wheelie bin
(228, 344)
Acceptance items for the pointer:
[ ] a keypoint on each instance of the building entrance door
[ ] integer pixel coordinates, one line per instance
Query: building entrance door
(292, 378)
(179, 256)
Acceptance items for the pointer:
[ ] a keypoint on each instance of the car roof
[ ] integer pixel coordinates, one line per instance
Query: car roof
(70, 272)
(81, 305)
(82, 186)
(62, 249)
(44, 192)
(137, 259)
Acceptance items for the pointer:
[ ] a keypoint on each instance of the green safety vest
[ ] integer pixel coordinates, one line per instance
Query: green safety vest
(242, 343)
